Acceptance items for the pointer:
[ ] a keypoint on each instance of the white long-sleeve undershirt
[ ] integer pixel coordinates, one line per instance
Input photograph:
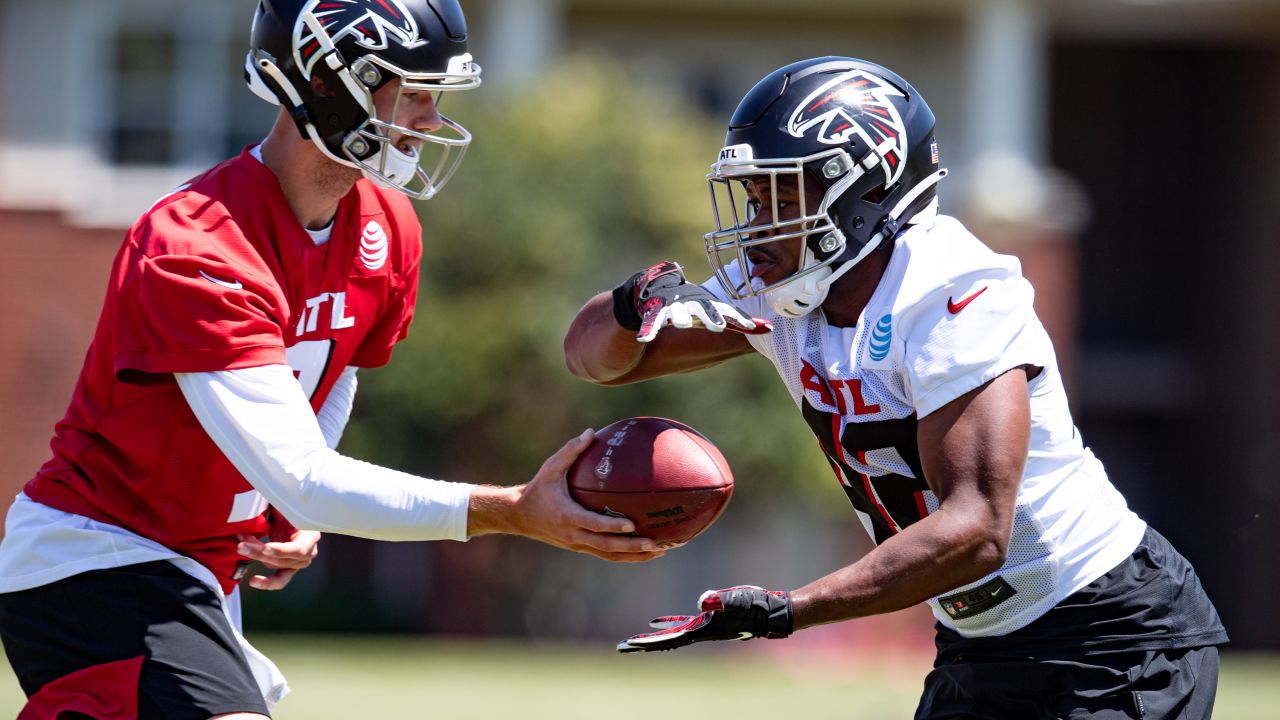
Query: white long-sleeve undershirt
(336, 409)
(261, 420)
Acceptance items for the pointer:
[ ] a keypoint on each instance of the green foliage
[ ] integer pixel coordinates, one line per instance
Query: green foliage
(568, 188)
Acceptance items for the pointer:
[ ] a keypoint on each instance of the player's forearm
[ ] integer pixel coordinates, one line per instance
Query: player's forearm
(336, 411)
(263, 424)
(492, 510)
(598, 349)
(334, 493)
(941, 552)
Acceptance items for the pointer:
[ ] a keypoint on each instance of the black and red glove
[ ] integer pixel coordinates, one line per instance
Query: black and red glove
(737, 613)
(661, 296)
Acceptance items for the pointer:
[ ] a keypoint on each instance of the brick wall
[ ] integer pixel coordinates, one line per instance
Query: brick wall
(52, 280)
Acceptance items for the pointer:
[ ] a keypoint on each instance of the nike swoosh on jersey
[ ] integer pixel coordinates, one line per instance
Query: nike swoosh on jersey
(955, 307)
(233, 284)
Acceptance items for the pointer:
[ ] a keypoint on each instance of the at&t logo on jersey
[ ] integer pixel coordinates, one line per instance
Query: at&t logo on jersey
(881, 340)
(373, 246)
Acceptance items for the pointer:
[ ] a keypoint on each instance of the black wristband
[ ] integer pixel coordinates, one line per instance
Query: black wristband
(624, 304)
(769, 613)
(782, 617)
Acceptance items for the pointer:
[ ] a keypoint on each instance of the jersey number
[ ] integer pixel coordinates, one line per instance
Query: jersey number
(892, 501)
(310, 361)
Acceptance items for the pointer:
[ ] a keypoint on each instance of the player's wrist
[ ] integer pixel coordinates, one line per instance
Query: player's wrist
(636, 292)
(781, 621)
(768, 613)
(625, 311)
(492, 510)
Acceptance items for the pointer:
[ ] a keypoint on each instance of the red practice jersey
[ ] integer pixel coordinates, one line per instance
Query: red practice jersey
(220, 275)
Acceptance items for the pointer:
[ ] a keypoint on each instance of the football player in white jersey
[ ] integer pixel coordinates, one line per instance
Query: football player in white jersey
(914, 354)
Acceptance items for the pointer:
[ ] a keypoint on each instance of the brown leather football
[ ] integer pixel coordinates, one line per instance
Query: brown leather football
(662, 474)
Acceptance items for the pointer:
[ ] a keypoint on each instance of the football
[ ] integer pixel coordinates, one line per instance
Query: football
(663, 475)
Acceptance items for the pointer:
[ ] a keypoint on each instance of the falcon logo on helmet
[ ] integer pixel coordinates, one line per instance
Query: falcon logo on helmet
(856, 103)
(369, 22)
(849, 131)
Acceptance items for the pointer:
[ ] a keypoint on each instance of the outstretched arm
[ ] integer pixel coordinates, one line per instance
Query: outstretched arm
(622, 337)
(542, 510)
(973, 451)
(262, 422)
(599, 350)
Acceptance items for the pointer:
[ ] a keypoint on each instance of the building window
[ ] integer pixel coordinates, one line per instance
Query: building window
(144, 71)
(179, 96)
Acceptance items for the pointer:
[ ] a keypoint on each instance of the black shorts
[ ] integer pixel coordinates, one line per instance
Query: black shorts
(81, 632)
(1174, 684)
(1139, 642)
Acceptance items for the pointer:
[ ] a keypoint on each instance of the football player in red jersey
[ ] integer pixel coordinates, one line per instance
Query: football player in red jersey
(914, 354)
(221, 376)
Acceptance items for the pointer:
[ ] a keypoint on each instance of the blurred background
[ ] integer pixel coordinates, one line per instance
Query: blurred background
(1125, 150)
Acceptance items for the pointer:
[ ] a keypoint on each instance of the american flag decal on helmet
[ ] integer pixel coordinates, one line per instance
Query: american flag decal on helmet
(373, 23)
(858, 103)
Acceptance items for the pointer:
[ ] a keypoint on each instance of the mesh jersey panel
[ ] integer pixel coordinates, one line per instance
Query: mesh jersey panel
(862, 390)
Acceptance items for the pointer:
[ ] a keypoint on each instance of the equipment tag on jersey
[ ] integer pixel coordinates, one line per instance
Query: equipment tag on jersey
(977, 600)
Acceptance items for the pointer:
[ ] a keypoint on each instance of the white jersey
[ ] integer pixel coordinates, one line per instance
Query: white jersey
(948, 316)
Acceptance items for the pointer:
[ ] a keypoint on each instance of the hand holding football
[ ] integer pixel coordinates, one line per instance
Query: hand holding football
(663, 475)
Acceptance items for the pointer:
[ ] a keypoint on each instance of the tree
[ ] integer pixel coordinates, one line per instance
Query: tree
(566, 190)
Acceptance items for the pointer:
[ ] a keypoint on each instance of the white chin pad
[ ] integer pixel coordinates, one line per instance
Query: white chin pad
(400, 169)
(800, 297)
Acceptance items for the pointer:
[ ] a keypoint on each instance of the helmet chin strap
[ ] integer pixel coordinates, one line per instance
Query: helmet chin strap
(799, 298)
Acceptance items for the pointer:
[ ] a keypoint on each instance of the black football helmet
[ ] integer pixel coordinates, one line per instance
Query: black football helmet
(859, 131)
(356, 47)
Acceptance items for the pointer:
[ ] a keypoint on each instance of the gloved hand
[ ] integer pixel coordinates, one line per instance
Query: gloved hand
(654, 298)
(737, 613)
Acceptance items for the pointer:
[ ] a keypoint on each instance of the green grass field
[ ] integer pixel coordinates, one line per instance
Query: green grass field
(361, 677)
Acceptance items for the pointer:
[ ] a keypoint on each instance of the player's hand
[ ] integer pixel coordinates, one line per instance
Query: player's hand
(652, 299)
(286, 557)
(737, 613)
(544, 511)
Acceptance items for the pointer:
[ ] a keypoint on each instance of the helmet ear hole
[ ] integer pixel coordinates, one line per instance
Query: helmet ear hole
(875, 195)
